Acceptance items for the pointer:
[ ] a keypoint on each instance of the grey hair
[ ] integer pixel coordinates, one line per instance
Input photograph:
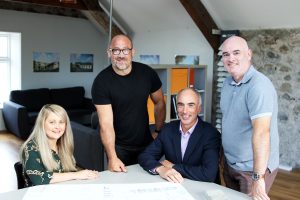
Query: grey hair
(194, 91)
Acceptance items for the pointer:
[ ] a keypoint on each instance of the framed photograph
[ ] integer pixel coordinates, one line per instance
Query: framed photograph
(186, 60)
(81, 62)
(149, 59)
(45, 62)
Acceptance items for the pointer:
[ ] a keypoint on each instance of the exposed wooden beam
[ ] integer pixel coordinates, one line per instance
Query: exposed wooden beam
(79, 5)
(96, 14)
(41, 8)
(89, 9)
(203, 20)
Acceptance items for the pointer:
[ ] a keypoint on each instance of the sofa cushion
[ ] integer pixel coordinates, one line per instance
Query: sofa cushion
(88, 148)
(68, 97)
(81, 116)
(32, 117)
(33, 99)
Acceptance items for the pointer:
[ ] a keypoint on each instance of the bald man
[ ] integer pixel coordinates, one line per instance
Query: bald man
(120, 93)
(191, 146)
(249, 125)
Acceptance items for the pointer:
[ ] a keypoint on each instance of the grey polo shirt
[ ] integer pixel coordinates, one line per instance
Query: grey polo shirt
(253, 97)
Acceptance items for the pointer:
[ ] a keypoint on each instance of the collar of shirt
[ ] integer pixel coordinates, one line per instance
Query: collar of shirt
(185, 137)
(246, 77)
(190, 131)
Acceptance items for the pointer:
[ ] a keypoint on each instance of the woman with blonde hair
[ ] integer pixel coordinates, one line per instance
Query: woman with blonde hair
(47, 155)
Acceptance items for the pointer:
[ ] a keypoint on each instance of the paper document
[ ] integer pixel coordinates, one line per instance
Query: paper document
(146, 191)
(61, 191)
(137, 191)
(215, 195)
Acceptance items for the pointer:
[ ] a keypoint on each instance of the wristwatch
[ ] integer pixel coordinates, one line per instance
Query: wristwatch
(256, 176)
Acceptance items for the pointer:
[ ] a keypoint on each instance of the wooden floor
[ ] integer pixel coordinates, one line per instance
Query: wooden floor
(9, 155)
(286, 186)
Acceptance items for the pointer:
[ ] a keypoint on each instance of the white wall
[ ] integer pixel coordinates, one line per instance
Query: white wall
(169, 43)
(51, 33)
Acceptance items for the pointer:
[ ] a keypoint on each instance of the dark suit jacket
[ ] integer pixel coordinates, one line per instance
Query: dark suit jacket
(201, 158)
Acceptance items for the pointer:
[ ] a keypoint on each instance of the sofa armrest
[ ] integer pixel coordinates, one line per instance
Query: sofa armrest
(88, 148)
(88, 104)
(16, 119)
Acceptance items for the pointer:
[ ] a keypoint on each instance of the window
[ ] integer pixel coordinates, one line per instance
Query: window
(10, 64)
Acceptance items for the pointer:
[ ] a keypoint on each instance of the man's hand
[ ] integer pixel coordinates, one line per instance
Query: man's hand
(154, 134)
(169, 174)
(167, 163)
(116, 165)
(259, 190)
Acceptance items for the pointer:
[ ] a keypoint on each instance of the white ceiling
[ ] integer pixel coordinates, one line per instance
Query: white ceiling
(254, 14)
(151, 15)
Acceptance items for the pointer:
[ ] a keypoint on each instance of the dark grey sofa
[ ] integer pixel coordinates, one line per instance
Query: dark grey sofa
(20, 112)
(88, 149)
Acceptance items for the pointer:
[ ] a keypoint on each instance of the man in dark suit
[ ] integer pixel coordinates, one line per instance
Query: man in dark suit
(190, 146)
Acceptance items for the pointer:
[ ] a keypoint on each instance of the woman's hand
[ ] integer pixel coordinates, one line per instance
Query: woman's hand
(87, 174)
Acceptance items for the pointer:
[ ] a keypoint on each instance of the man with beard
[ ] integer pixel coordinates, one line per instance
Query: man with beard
(120, 93)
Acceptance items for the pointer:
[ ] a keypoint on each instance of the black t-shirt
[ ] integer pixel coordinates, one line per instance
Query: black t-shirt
(128, 96)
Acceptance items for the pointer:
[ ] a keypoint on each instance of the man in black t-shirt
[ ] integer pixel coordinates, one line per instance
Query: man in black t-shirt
(120, 93)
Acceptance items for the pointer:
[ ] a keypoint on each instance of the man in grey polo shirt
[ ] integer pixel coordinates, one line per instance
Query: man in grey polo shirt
(249, 125)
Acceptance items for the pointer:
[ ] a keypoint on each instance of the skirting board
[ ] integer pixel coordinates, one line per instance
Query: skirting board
(285, 167)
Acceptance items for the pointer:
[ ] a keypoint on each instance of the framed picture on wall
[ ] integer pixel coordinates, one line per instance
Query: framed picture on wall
(81, 62)
(149, 59)
(45, 62)
(186, 60)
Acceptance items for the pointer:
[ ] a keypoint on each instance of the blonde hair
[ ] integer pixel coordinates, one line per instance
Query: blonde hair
(65, 143)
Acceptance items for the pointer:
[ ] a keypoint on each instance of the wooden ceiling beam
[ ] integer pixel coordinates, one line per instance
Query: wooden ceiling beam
(203, 20)
(97, 15)
(28, 6)
(79, 5)
(89, 9)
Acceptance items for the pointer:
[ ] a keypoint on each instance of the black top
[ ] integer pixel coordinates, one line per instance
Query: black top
(128, 96)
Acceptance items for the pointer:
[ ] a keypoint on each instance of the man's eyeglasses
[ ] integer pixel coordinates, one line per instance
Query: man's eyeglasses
(118, 51)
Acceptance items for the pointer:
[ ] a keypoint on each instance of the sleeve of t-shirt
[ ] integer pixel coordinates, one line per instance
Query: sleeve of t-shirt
(100, 92)
(156, 82)
(260, 100)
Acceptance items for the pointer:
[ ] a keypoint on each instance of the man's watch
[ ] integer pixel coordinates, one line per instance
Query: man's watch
(256, 176)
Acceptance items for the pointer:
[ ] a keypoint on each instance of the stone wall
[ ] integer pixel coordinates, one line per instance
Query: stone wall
(276, 53)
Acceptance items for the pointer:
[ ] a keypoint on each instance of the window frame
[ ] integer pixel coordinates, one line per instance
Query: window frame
(13, 62)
